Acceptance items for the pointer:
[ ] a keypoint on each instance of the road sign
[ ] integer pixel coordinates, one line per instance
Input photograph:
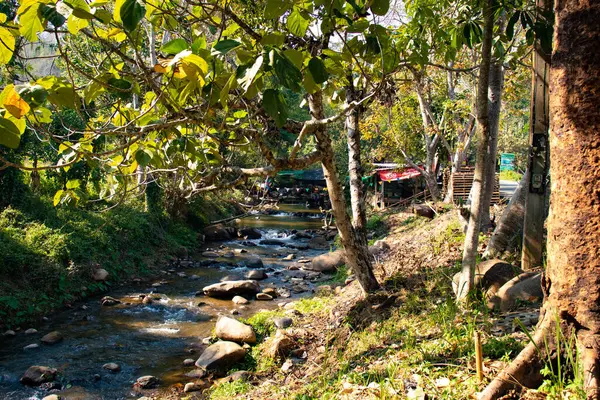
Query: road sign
(507, 162)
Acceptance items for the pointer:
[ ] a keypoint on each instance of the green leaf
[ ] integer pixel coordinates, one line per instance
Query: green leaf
(380, 7)
(275, 8)
(288, 74)
(273, 39)
(317, 70)
(124, 86)
(250, 74)
(297, 23)
(358, 26)
(73, 184)
(225, 46)
(58, 197)
(9, 134)
(295, 56)
(174, 46)
(131, 13)
(50, 13)
(7, 46)
(274, 104)
(143, 157)
(35, 95)
(510, 26)
(31, 23)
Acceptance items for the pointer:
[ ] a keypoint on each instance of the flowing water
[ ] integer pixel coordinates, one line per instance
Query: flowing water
(151, 339)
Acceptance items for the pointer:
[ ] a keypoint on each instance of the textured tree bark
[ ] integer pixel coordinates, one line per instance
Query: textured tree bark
(355, 170)
(495, 105)
(356, 250)
(472, 236)
(510, 226)
(572, 279)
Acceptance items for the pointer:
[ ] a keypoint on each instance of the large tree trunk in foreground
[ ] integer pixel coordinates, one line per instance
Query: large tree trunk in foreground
(472, 236)
(495, 105)
(356, 250)
(572, 278)
(510, 226)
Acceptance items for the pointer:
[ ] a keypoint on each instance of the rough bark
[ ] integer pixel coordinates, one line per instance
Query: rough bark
(355, 170)
(357, 252)
(472, 236)
(510, 226)
(572, 279)
(495, 105)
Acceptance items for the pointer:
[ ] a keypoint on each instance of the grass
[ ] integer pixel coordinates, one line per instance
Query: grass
(510, 176)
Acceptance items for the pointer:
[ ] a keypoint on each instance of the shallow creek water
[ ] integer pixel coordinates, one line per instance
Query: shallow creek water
(150, 339)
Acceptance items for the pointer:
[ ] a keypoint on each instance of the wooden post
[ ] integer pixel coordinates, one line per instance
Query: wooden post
(383, 195)
(478, 356)
(535, 201)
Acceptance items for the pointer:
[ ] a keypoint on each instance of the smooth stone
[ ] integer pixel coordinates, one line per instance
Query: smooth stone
(196, 386)
(36, 375)
(239, 300)
(256, 274)
(188, 362)
(232, 288)
(32, 346)
(52, 337)
(9, 333)
(31, 331)
(253, 262)
(52, 397)
(221, 355)
(327, 262)
(283, 322)
(233, 330)
(100, 275)
(112, 367)
(196, 373)
(263, 296)
(147, 382)
(107, 301)
(271, 292)
(210, 254)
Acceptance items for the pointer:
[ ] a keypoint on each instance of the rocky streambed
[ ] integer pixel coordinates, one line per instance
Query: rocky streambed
(155, 335)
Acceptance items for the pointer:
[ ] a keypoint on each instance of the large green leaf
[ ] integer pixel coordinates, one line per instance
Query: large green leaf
(225, 46)
(9, 134)
(131, 13)
(317, 70)
(276, 8)
(380, 7)
(120, 87)
(288, 74)
(7, 46)
(297, 23)
(174, 46)
(31, 23)
(52, 15)
(143, 157)
(35, 95)
(274, 104)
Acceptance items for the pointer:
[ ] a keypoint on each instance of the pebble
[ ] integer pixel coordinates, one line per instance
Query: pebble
(31, 331)
(239, 300)
(188, 362)
(112, 367)
(32, 346)
(263, 296)
(283, 322)
(9, 333)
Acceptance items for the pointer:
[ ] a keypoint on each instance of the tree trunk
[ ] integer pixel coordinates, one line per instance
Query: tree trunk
(495, 104)
(573, 270)
(483, 128)
(510, 226)
(359, 211)
(356, 251)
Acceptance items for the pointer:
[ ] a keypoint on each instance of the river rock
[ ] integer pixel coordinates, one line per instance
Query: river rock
(231, 278)
(52, 338)
(229, 254)
(283, 322)
(249, 233)
(147, 382)
(302, 235)
(263, 296)
(147, 300)
(239, 300)
(31, 331)
(100, 275)
(327, 262)
(318, 243)
(256, 274)
(248, 243)
(220, 355)
(52, 397)
(235, 331)
(32, 346)
(271, 292)
(219, 232)
(279, 345)
(108, 301)
(210, 254)
(112, 367)
(9, 333)
(524, 287)
(232, 288)
(289, 257)
(272, 242)
(283, 292)
(253, 262)
(196, 386)
(237, 376)
(196, 373)
(36, 375)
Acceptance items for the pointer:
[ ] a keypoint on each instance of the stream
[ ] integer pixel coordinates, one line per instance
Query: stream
(155, 339)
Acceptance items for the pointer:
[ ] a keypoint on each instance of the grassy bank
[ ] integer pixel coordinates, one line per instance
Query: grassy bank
(48, 254)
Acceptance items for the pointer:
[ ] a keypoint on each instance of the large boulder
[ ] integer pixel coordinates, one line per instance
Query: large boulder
(249, 233)
(256, 274)
(327, 262)
(220, 355)
(235, 331)
(36, 375)
(318, 243)
(232, 288)
(253, 262)
(525, 287)
(219, 232)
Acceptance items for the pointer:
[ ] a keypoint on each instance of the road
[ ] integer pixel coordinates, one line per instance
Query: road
(507, 188)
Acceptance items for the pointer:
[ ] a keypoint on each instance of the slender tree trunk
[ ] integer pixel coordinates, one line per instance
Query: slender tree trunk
(359, 211)
(572, 276)
(472, 236)
(510, 226)
(356, 251)
(495, 105)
